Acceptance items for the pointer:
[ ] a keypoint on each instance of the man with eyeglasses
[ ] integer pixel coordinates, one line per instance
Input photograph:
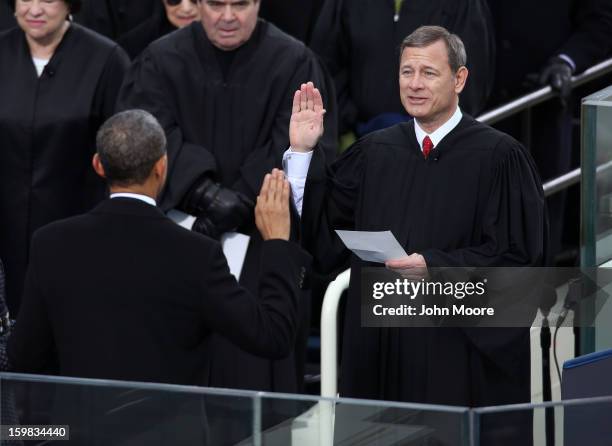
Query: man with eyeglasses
(222, 91)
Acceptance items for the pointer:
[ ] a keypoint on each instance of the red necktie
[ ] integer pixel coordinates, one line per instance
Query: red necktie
(427, 146)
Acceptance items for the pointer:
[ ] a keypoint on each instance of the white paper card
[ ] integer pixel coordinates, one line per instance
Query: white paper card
(235, 247)
(234, 244)
(373, 246)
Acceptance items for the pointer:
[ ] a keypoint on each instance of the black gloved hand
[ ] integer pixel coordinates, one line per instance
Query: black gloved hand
(218, 209)
(558, 74)
(205, 226)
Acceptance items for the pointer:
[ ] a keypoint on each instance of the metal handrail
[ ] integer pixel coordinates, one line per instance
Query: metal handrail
(537, 97)
(543, 94)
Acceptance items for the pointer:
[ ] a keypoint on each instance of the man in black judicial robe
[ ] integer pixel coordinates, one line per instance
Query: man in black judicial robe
(224, 99)
(114, 18)
(47, 134)
(475, 200)
(359, 41)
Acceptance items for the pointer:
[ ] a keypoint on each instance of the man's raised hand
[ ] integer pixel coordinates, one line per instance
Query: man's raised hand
(306, 126)
(272, 209)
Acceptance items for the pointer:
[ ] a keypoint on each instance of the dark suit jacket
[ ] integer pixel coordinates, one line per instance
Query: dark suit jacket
(123, 293)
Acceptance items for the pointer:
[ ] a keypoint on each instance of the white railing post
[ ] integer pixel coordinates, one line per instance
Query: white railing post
(329, 356)
(329, 334)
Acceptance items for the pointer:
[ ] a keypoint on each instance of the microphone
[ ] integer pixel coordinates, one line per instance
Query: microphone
(434, 154)
(50, 70)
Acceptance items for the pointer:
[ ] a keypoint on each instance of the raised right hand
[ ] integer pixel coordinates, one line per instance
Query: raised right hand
(306, 126)
(272, 209)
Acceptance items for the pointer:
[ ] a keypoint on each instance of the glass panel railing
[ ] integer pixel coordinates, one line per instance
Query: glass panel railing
(566, 423)
(95, 412)
(345, 422)
(596, 215)
(113, 413)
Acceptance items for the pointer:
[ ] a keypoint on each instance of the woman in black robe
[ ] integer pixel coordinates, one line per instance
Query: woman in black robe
(58, 83)
(176, 14)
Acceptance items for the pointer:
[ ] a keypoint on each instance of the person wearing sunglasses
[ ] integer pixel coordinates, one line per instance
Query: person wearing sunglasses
(58, 83)
(176, 14)
(222, 90)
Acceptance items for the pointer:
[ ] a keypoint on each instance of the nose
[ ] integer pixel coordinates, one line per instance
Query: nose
(35, 8)
(185, 6)
(415, 82)
(228, 13)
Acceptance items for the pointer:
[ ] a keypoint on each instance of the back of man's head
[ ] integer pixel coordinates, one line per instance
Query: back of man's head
(128, 145)
(428, 35)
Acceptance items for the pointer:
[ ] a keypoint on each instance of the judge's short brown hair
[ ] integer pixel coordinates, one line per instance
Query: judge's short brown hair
(428, 35)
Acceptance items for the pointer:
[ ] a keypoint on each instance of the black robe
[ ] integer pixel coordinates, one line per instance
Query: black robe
(283, 13)
(114, 18)
(47, 136)
(480, 204)
(235, 129)
(135, 41)
(360, 41)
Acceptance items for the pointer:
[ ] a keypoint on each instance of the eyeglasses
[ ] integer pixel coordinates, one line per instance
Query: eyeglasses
(219, 6)
(178, 2)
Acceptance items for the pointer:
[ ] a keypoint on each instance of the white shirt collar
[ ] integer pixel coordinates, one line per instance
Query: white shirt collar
(437, 136)
(140, 197)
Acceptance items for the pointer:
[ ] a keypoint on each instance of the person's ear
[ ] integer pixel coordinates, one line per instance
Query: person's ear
(460, 79)
(161, 167)
(97, 166)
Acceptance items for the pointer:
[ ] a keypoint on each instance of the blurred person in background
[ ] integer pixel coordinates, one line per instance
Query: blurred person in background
(175, 14)
(529, 58)
(359, 41)
(283, 14)
(114, 18)
(58, 83)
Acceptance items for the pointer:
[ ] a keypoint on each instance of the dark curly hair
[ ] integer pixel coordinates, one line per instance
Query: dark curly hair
(73, 5)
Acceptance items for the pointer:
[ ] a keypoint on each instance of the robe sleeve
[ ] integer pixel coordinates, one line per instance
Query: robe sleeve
(144, 88)
(268, 155)
(330, 198)
(514, 225)
(110, 83)
(514, 234)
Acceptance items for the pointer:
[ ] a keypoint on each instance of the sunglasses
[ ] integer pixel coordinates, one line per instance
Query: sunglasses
(178, 2)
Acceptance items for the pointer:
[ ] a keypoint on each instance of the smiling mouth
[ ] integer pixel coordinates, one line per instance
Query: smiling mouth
(416, 100)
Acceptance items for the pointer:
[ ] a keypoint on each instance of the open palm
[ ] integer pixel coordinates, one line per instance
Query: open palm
(306, 126)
